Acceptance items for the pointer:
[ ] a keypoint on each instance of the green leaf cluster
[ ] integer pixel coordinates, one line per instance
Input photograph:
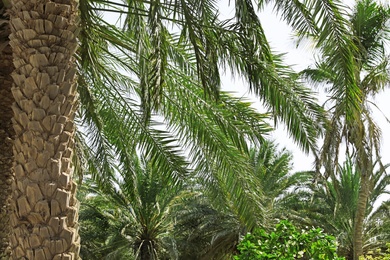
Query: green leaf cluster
(286, 242)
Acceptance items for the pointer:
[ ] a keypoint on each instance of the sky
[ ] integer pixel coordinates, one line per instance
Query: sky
(281, 40)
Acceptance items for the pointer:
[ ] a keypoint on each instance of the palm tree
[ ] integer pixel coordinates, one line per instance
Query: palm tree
(272, 170)
(136, 210)
(157, 142)
(44, 218)
(333, 205)
(210, 131)
(204, 230)
(378, 228)
(37, 201)
(350, 114)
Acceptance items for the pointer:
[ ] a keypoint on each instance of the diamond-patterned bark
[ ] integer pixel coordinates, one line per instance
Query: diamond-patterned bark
(44, 215)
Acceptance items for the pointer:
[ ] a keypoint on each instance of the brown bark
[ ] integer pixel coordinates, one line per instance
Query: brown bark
(44, 218)
(360, 216)
(6, 133)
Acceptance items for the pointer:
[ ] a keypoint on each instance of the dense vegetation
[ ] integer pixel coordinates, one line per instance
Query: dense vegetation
(285, 242)
(169, 165)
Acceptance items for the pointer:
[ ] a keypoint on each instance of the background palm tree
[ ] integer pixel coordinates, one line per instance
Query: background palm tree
(272, 170)
(333, 205)
(350, 116)
(209, 226)
(137, 210)
(377, 229)
(205, 231)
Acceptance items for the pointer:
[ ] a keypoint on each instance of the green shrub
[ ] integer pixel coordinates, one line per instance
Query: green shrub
(286, 242)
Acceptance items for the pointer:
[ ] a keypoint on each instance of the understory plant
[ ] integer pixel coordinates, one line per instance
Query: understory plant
(286, 242)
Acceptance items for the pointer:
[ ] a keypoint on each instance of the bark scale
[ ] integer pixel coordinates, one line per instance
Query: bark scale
(44, 217)
(6, 133)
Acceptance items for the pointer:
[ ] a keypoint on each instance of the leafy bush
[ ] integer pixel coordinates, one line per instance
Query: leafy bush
(286, 242)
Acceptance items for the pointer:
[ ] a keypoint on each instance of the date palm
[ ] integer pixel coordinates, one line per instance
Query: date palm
(211, 132)
(333, 205)
(44, 217)
(350, 115)
(204, 230)
(136, 210)
(272, 170)
(167, 74)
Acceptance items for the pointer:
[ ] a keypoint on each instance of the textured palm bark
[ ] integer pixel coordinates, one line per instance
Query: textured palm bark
(44, 218)
(6, 134)
(360, 216)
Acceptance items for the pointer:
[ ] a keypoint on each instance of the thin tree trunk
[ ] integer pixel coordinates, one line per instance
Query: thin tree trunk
(146, 250)
(44, 218)
(360, 215)
(6, 134)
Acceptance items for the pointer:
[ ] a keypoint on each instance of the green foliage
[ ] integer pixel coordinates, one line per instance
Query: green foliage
(377, 255)
(272, 172)
(332, 205)
(202, 231)
(133, 212)
(286, 242)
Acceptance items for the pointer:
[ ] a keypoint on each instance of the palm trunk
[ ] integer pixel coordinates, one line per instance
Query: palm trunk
(44, 217)
(146, 251)
(6, 135)
(360, 216)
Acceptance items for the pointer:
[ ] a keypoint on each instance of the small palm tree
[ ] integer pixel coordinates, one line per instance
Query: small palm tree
(333, 205)
(272, 170)
(204, 231)
(136, 211)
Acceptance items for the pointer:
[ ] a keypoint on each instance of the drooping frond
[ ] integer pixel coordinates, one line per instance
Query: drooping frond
(249, 54)
(339, 54)
(352, 76)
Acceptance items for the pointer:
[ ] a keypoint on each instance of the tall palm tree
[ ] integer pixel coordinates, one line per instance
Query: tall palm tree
(333, 205)
(44, 218)
(350, 116)
(34, 201)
